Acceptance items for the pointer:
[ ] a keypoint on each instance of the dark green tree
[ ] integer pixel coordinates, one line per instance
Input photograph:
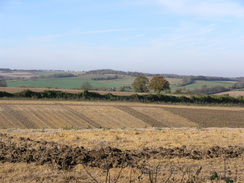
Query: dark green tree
(140, 84)
(158, 84)
(3, 83)
(86, 86)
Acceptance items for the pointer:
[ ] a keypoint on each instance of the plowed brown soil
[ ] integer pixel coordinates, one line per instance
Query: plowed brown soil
(211, 118)
(66, 157)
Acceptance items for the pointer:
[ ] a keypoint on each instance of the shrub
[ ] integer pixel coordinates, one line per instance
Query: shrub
(5, 94)
(28, 94)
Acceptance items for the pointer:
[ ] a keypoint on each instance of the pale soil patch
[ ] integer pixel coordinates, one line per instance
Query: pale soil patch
(232, 93)
(17, 74)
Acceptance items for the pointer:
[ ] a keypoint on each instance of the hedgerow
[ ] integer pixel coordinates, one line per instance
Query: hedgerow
(86, 95)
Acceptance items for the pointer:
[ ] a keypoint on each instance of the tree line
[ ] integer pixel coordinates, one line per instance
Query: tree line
(56, 75)
(106, 78)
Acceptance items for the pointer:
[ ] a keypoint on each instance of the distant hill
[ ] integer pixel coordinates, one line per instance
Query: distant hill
(129, 73)
(134, 74)
(206, 78)
(28, 70)
(116, 80)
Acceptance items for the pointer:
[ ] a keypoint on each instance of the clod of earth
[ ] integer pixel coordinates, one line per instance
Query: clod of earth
(66, 157)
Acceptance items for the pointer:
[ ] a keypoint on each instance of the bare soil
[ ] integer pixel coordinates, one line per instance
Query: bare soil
(66, 157)
(62, 157)
(211, 118)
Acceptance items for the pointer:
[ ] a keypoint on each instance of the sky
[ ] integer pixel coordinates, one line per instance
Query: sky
(185, 37)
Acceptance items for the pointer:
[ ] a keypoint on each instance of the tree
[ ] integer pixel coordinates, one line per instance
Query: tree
(140, 84)
(3, 83)
(158, 84)
(86, 86)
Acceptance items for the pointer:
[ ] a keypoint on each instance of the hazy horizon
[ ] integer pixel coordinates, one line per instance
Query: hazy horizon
(183, 37)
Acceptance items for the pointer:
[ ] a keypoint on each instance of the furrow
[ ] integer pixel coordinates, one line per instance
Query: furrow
(81, 116)
(16, 116)
(147, 119)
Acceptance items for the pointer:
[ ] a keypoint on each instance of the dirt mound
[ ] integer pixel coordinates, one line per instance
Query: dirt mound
(21, 149)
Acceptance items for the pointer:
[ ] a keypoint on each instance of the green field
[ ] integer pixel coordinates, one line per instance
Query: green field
(67, 83)
(198, 84)
(76, 82)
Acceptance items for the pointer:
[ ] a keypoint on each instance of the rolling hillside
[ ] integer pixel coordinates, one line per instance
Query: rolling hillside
(107, 80)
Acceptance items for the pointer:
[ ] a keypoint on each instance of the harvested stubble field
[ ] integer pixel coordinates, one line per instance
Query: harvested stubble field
(56, 141)
(84, 115)
(126, 155)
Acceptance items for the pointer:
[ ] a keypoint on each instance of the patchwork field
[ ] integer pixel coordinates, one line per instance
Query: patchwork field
(36, 80)
(85, 115)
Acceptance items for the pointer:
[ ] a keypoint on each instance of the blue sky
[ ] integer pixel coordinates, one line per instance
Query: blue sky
(189, 37)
